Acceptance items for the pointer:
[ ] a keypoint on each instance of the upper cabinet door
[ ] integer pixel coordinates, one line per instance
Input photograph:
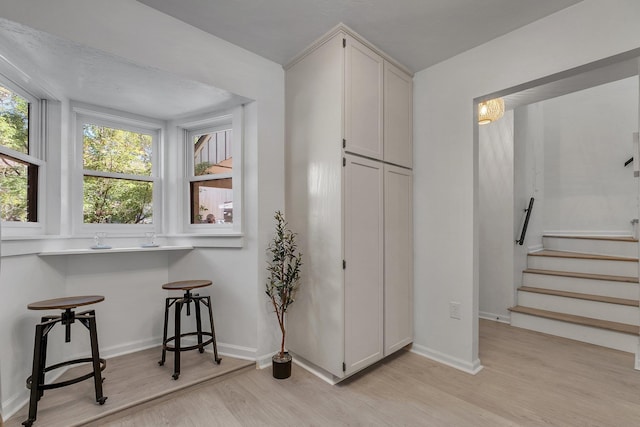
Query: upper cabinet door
(398, 116)
(363, 100)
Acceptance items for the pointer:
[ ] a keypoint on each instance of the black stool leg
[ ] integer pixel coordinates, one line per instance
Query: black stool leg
(37, 373)
(97, 375)
(213, 332)
(164, 334)
(43, 358)
(176, 357)
(198, 323)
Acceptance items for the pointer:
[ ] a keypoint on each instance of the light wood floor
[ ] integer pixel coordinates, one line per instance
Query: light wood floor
(529, 379)
(130, 380)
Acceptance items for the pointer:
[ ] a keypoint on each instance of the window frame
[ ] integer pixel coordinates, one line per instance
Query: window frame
(83, 114)
(36, 157)
(211, 122)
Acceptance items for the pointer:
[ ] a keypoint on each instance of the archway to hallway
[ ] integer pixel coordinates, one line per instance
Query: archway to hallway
(563, 140)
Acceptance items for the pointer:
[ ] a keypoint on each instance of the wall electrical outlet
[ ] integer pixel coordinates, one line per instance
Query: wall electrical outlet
(454, 310)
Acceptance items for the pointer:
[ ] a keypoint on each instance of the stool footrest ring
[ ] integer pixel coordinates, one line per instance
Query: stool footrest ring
(103, 365)
(167, 347)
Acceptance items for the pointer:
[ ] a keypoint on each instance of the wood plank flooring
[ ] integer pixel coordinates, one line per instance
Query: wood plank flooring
(130, 380)
(529, 379)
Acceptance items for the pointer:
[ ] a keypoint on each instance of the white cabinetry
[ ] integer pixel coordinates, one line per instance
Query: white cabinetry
(351, 210)
(363, 112)
(398, 116)
(364, 257)
(398, 258)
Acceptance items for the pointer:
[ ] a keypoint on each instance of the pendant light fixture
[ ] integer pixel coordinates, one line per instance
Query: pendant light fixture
(490, 111)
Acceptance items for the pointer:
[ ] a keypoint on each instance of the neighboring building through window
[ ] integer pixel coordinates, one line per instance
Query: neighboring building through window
(213, 173)
(212, 183)
(19, 159)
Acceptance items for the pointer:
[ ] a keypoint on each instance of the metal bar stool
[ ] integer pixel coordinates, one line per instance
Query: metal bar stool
(36, 381)
(179, 302)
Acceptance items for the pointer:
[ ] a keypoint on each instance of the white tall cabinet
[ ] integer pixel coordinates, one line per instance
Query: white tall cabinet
(349, 198)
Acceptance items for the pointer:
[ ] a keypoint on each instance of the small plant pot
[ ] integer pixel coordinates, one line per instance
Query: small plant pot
(281, 366)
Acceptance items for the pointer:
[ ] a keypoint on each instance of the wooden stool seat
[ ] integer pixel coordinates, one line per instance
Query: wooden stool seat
(186, 285)
(173, 344)
(65, 303)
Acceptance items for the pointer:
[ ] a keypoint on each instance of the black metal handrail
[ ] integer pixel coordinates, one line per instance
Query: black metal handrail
(526, 222)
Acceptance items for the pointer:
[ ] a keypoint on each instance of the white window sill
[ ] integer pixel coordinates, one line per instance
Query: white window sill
(115, 250)
(226, 240)
(68, 245)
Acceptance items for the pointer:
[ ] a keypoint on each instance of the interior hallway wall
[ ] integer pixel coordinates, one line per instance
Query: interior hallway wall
(496, 222)
(587, 139)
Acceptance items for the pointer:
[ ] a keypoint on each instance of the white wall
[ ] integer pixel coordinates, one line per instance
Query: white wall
(446, 157)
(496, 219)
(24, 280)
(140, 34)
(587, 139)
(528, 182)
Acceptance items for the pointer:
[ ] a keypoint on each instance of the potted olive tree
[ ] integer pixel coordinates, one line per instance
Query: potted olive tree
(284, 275)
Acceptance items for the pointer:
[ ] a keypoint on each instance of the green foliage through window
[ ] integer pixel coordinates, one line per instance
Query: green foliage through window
(116, 150)
(14, 121)
(117, 199)
(18, 178)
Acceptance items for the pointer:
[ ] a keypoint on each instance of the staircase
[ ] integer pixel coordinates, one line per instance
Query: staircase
(582, 288)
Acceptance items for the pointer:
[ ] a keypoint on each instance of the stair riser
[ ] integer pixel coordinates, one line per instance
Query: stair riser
(605, 338)
(585, 286)
(610, 267)
(587, 246)
(579, 307)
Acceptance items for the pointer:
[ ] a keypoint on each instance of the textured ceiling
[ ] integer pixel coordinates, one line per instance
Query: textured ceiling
(65, 69)
(417, 33)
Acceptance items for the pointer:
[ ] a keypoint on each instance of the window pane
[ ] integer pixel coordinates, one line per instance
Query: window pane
(117, 201)
(212, 201)
(212, 153)
(116, 150)
(14, 121)
(18, 190)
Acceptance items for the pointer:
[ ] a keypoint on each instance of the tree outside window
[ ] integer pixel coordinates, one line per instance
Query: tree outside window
(118, 181)
(18, 171)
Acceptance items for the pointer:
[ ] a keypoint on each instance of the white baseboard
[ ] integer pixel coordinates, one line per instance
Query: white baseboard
(502, 318)
(236, 351)
(535, 248)
(229, 350)
(315, 370)
(468, 367)
(264, 361)
(126, 348)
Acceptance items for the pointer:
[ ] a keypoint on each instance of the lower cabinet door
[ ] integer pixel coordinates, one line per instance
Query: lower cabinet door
(398, 261)
(364, 264)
